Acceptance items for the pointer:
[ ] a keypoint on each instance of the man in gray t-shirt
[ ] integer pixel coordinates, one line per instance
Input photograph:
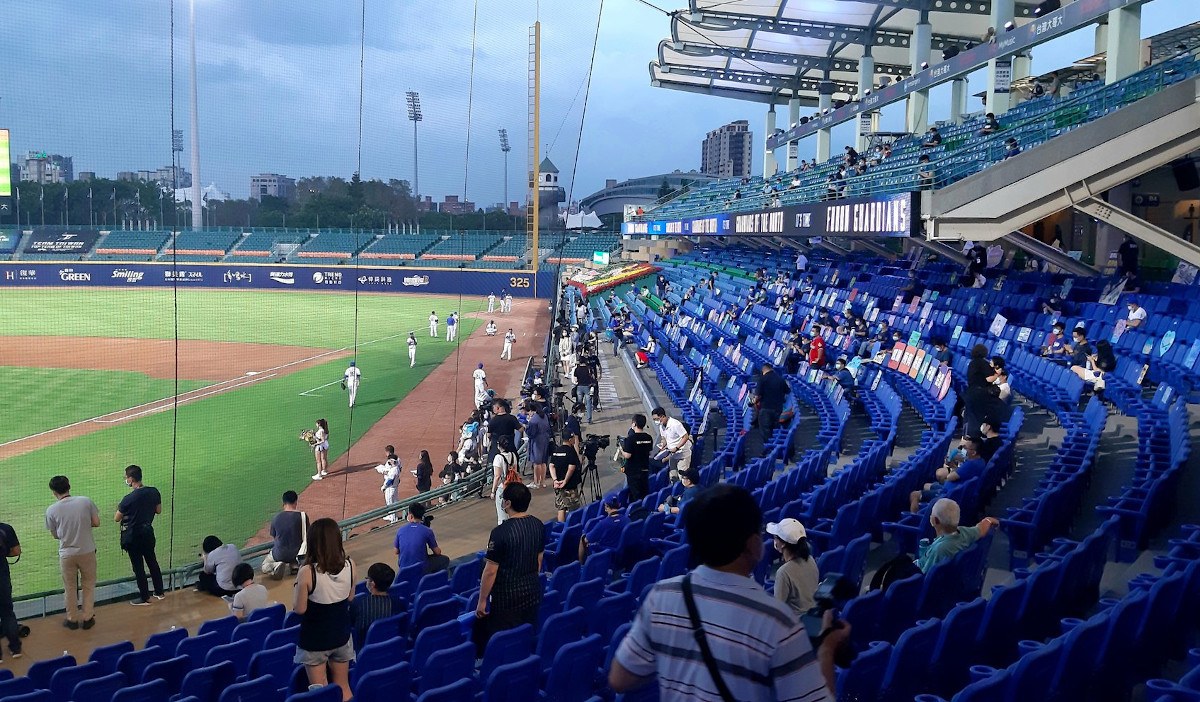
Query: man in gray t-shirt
(287, 529)
(216, 577)
(71, 520)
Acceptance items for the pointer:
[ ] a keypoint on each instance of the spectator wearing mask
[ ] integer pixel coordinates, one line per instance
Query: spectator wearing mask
(583, 387)
(690, 479)
(566, 474)
(675, 440)
(816, 349)
(250, 595)
(537, 436)
(941, 352)
(10, 547)
(971, 465)
(1056, 342)
(377, 605)
(925, 172)
(605, 533)
(932, 138)
(951, 538)
(771, 393)
(136, 514)
(990, 125)
(216, 574)
(989, 440)
(1098, 363)
(635, 449)
(843, 377)
(415, 543)
(1053, 306)
(1137, 314)
(288, 530)
(1011, 147)
(761, 651)
(797, 579)
(1079, 349)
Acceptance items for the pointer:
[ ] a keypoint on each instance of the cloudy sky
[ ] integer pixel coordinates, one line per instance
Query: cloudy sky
(279, 88)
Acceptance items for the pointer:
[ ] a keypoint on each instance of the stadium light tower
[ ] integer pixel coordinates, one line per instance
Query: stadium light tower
(414, 114)
(197, 203)
(505, 147)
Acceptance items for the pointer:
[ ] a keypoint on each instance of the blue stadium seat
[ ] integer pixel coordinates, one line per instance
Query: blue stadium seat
(102, 688)
(13, 687)
(134, 664)
(326, 693)
(274, 662)
(609, 613)
(64, 680)
(222, 627)
(256, 632)
(272, 613)
(383, 684)
(435, 638)
(236, 652)
(378, 656)
(171, 671)
(561, 630)
(35, 696)
(464, 689)
(466, 575)
(168, 640)
(572, 663)
(386, 628)
(446, 666)
(255, 690)
(42, 671)
(512, 682)
(153, 691)
(282, 637)
(506, 647)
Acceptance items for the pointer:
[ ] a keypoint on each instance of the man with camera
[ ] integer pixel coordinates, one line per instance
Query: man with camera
(567, 477)
(635, 448)
(10, 547)
(714, 633)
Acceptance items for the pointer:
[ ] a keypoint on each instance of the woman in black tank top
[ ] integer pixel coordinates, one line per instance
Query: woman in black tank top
(324, 589)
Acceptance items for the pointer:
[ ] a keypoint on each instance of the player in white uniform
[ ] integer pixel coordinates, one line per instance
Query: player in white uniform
(390, 470)
(509, 338)
(433, 322)
(350, 381)
(491, 302)
(481, 385)
(412, 349)
(490, 329)
(452, 327)
(507, 302)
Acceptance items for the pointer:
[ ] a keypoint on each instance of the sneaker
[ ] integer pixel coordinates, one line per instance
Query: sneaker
(160, 595)
(16, 654)
(89, 623)
(278, 570)
(324, 473)
(72, 625)
(139, 602)
(317, 476)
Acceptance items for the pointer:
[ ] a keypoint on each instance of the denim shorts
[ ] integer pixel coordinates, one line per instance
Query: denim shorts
(341, 654)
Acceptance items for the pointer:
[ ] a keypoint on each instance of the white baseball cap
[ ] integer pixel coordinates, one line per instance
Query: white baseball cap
(790, 530)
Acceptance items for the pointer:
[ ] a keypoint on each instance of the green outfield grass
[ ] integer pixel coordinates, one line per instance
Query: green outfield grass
(237, 451)
(53, 397)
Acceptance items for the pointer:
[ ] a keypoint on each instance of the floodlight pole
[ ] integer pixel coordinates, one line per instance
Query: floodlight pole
(197, 204)
(414, 114)
(505, 147)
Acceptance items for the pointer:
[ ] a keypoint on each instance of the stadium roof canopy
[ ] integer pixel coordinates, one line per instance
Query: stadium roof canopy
(773, 50)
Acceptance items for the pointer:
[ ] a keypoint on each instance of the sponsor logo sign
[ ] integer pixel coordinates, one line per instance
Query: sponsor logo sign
(368, 280)
(71, 275)
(27, 275)
(327, 277)
(62, 242)
(411, 281)
(238, 277)
(283, 277)
(128, 275)
(187, 275)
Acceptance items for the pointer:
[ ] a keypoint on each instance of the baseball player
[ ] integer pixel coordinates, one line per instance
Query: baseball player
(350, 381)
(412, 349)
(509, 338)
(507, 302)
(491, 302)
(390, 470)
(433, 322)
(490, 329)
(452, 327)
(481, 385)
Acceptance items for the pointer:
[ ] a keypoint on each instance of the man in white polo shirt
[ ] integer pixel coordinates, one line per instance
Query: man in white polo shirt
(674, 442)
(715, 634)
(71, 520)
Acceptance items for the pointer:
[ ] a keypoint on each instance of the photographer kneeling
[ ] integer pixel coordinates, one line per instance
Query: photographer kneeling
(762, 652)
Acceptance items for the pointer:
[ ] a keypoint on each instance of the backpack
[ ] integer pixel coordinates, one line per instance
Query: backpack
(511, 476)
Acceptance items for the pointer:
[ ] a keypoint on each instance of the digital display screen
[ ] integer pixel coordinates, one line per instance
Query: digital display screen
(5, 166)
(600, 258)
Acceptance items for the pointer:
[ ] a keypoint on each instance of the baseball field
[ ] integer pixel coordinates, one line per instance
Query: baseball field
(92, 378)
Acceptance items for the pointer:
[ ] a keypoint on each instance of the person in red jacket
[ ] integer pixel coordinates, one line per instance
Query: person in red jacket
(816, 349)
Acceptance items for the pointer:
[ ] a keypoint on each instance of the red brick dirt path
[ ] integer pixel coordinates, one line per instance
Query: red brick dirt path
(225, 363)
(428, 417)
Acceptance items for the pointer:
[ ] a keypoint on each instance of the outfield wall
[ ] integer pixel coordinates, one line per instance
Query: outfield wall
(276, 277)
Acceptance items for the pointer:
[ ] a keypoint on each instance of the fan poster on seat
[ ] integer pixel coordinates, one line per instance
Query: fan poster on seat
(1165, 344)
(921, 366)
(944, 386)
(897, 303)
(912, 306)
(998, 323)
(914, 338)
(1118, 329)
(957, 332)
(897, 354)
(907, 360)
(1193, 352)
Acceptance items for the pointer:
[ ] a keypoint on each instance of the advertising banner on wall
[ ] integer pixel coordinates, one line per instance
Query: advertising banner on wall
(883, 215)
(277, 277)
(62, 241)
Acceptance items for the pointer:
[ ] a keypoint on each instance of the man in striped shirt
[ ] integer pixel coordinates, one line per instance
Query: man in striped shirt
(761, 650)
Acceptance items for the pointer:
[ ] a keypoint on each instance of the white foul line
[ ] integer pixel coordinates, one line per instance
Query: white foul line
(258, 375)
(306, 392)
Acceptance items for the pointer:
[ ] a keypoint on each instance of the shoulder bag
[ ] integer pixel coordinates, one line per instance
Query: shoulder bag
(702, 641)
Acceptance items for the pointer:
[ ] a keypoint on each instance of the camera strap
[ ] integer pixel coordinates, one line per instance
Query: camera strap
(701, 640)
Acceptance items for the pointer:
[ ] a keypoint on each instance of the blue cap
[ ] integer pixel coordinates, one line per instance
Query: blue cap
(1131, 301)
(351, 362)
(481, 365)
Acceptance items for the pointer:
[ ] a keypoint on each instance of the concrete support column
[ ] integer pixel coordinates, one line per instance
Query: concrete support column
(1101, 43)
(793, 149)
(1124, 43)
(1021, 64)
(958, 99)
(918, 52)
(866, 79)
(769, 159)
(997, 100)
(824, 102)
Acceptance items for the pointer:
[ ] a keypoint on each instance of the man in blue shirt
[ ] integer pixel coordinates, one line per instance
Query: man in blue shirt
(971, 467)
(415, 543)
(605, 533)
